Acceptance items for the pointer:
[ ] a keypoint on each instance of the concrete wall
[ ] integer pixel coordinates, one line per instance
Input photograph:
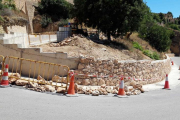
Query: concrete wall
(15, 38)
(17, 29)
(7, 48)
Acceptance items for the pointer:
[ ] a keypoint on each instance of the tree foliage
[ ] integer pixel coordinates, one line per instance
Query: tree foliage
(54, 9)
(159, 37)
(156, 17)
(9, 4)
(170, 13)
(113, 17)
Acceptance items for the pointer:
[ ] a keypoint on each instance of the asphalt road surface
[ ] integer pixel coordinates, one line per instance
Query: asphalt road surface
(17, 103)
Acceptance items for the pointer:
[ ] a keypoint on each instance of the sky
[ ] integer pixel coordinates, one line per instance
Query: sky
(164, 6)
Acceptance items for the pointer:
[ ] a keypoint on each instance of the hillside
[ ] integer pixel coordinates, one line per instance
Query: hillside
(120, 49)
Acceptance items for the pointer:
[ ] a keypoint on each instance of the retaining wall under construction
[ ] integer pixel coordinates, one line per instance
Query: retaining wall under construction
(106, 71)
(98, 72)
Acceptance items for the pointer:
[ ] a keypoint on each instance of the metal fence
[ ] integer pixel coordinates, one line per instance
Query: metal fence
(32, 70)
(1, 65)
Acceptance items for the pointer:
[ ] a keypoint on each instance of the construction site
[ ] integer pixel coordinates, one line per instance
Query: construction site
(56, 62)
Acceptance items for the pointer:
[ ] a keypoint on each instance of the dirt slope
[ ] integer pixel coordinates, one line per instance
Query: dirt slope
(79, 46)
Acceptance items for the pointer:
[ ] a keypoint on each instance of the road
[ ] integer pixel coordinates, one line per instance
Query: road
(17, 103)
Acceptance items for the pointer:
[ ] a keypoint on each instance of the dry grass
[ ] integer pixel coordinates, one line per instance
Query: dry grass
(145, 45)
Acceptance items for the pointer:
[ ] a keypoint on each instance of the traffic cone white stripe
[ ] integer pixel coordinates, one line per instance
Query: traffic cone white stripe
(121, 84)
(6, 70)
(5, 77)
(4, 81)
(166, 78)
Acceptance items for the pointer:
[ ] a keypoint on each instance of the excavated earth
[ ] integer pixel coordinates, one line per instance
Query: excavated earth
(80, 46)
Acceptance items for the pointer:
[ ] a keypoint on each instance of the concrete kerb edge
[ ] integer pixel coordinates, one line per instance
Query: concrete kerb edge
(69, 95)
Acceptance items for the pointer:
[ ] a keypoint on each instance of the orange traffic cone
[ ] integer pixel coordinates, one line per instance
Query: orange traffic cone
(121, 92)
(71, 90)
(166, 86)
(172, 62)
(5, 81)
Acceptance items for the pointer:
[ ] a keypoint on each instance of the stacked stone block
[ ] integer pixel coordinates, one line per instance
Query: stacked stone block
(108, 71)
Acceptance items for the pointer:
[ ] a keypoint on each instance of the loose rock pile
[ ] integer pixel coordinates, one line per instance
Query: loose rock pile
(105, 90)
(41, 85)
(66, 41)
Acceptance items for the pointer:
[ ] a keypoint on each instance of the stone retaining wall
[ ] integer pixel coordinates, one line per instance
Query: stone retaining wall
(142, 72)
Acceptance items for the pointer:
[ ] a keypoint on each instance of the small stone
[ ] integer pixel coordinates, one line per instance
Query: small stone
(104, 49)
(108, 89)
(81, 66)
(21, 82)
(60, 90)
(86, 82)
(101, 82)
(137, 86)
(114, 91)
(105, 93)
(126, 89)
(95, 93)
(103, 86)
(142, 90)
(49, 88)
(56, 79)
(132, 83)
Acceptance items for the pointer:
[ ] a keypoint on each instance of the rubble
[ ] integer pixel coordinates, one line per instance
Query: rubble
(66, 41)
(41, 85)
(21, 82)
(95, 93)
(49, 88)
(105, 90)
(60, 90)
(13, 77)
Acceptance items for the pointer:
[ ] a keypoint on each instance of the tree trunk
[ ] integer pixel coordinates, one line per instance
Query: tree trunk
(128, 34)
(5, 29)
(109, 35)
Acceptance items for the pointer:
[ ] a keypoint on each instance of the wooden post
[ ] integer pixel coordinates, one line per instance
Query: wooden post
(29, 39)
(49, 37)
(40, 38)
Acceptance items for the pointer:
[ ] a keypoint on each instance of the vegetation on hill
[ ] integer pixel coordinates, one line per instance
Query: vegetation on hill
(10, 15)
(159, 37)
(53, 10)
(112, 17)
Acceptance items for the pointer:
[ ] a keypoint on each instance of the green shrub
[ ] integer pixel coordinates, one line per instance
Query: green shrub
(156, 56)
(45, 21)
(63, 22)
(157, 36)
(152, 55)
(137, 46)
(148, 53)
(174, 26)
(10, 4)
